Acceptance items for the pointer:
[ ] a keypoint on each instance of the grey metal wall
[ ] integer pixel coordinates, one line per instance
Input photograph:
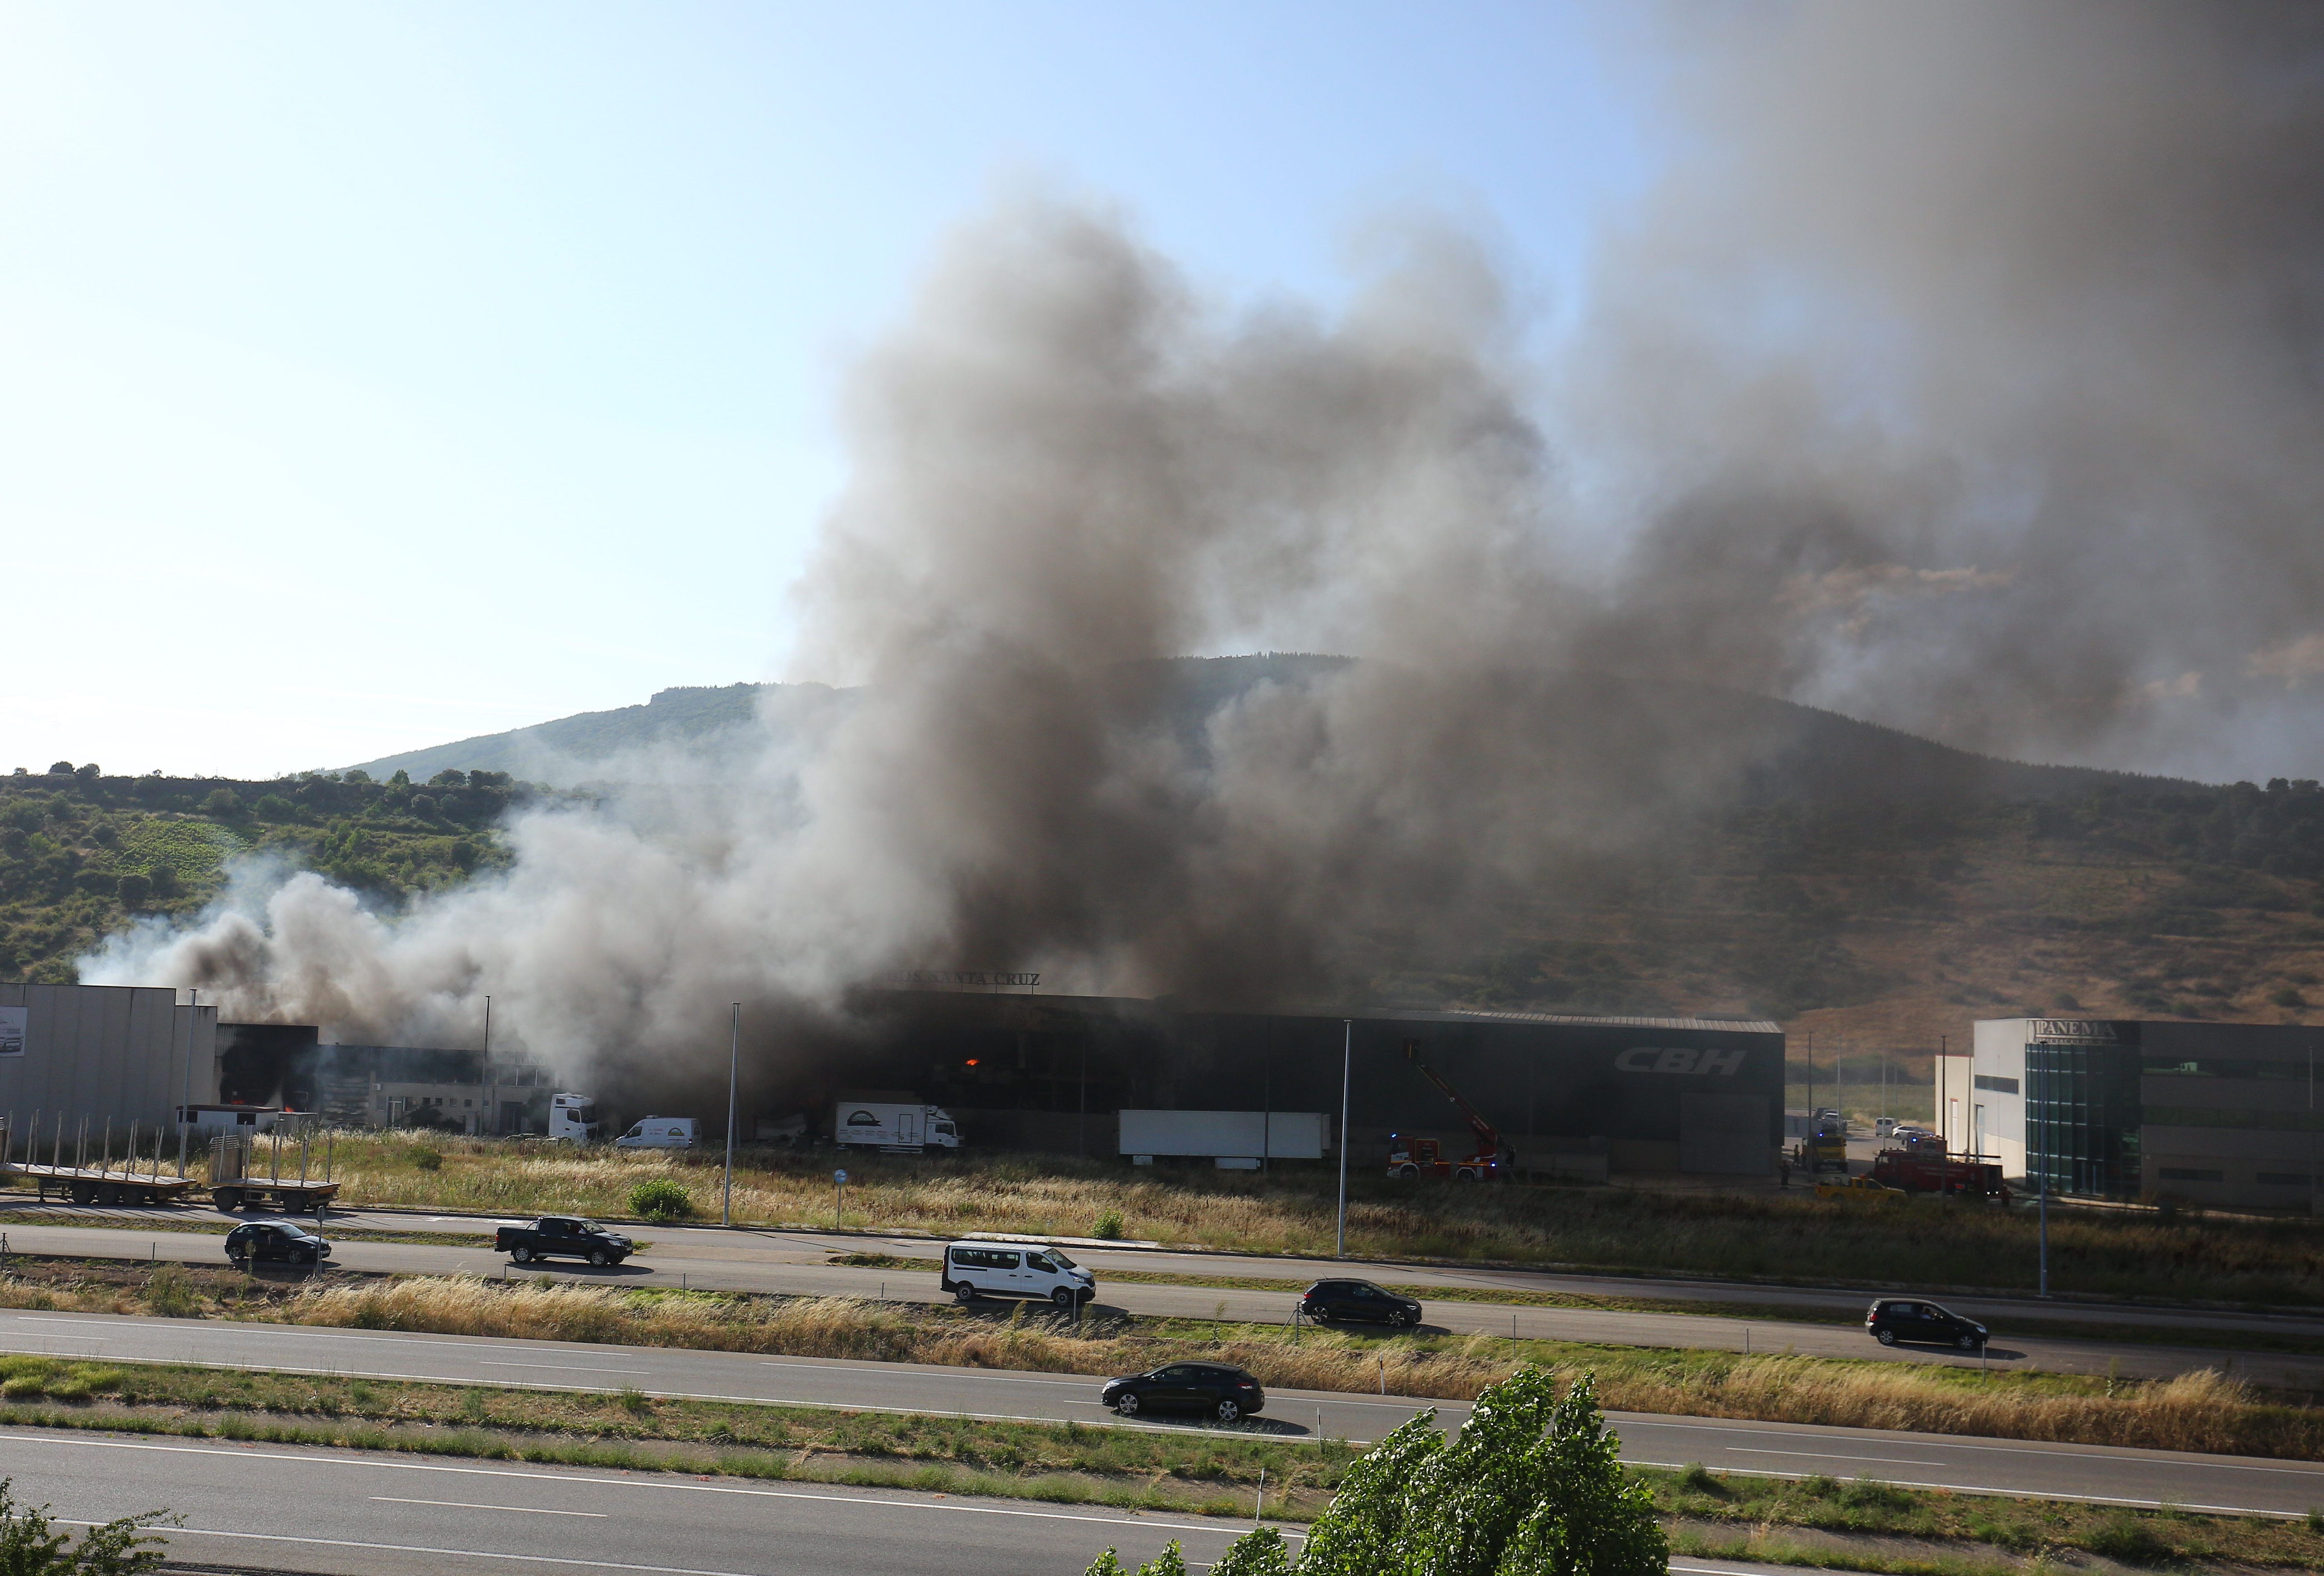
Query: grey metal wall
(116, 1051)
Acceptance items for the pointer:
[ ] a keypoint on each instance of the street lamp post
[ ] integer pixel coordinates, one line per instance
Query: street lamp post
(1347, 1076)
(733, 1063)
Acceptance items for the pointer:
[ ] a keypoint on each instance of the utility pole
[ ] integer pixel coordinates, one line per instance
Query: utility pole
(733, 1062)
(1347, 1082)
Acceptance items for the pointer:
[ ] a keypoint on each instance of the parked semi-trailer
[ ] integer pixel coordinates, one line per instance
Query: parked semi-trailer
(894, 1129)
(1236, 1140)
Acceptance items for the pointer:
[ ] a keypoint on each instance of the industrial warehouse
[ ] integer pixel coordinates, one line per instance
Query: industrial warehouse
(2212, 1114)
(2218, 1114)
(1571, 1096)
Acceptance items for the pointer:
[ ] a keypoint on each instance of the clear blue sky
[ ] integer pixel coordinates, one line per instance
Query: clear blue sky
(374, 376)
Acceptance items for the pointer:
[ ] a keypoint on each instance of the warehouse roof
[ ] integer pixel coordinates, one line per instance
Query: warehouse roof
(1585, 1020)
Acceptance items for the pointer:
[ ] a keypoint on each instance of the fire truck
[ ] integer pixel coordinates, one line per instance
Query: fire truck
(1923, 1166)
(1418, 1157)
(1825, 1148)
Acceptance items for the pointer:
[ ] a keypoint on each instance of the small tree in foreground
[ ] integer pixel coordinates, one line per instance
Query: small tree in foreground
(31, 1546)
(1530, 1486)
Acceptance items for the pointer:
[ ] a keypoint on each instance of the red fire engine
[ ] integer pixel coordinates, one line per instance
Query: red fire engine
(1415, 1157)
(1922, 1165)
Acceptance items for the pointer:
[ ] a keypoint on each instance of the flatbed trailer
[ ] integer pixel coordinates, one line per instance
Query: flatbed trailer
(91, 1185)
(238, 1180)
(129, 1180)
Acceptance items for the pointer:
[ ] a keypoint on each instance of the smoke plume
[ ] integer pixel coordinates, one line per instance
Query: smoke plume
(1960, 372)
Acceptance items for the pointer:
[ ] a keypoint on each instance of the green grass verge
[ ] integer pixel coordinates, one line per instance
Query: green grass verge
(1201, 1472)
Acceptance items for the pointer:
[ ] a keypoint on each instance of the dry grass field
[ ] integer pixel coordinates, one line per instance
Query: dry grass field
(1774, 1236)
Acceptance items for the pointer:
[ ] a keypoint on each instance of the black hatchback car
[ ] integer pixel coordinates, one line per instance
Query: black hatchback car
(1359, 1301)
(1894, 1318)
(1215, 1389)
(274, 1241)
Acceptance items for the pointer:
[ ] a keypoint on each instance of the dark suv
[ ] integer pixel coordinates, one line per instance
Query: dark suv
(1224, 1393)
(1894, 1318)
(1359, 1300)
(256, 1241)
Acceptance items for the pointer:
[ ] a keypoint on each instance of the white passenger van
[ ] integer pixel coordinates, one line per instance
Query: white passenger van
(1015, 1269)
(658, 1133)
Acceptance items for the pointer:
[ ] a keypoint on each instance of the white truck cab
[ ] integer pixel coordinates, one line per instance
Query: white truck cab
(1015, 1269)
(658, 1133)
(572, 1118)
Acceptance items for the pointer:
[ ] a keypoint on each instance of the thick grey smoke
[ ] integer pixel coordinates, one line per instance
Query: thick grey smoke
(1962, 373)
(1967, 373)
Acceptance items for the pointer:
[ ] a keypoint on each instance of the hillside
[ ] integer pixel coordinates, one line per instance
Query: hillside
(1795, 752)
(1875, 889)
(572, 749)
(83, 855)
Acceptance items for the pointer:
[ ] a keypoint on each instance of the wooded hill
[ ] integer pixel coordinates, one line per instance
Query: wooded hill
(82, 854)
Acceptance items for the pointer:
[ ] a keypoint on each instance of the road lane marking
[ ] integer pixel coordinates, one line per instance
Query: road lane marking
(471, 1504)
(1829, 1456)
(204, 1531)
(565, 1367)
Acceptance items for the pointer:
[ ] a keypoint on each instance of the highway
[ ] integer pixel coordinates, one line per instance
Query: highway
(342, 1512)
(2106, 1474)
(795, 1262)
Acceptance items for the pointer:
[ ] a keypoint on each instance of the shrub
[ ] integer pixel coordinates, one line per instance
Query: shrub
(274, 807)
(60, 768)
(29, 1548)
(659, 1199)
(1109, 1227)
(135, 887)
(222, 802)
(171, 1295)
(427, 1159)
(2126, 1538)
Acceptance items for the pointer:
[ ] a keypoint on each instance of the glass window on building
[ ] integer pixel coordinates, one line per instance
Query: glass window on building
(2082, 1120)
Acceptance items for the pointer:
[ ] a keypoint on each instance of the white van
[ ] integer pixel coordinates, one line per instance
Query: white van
(658, 1133)
(1015, 1269)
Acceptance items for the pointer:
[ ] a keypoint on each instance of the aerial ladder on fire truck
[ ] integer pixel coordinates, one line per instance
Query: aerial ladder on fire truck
(1417, 1157)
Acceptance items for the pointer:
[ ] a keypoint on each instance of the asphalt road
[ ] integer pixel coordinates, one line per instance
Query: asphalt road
(342, 1512)
(794, 1263)
(2128, 1476)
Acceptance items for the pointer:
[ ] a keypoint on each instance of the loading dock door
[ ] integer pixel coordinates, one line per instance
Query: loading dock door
(1724, 1134)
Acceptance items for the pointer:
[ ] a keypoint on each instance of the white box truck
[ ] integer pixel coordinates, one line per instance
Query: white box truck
(1236, 1140)
(658, 1133)
(892, 1128)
